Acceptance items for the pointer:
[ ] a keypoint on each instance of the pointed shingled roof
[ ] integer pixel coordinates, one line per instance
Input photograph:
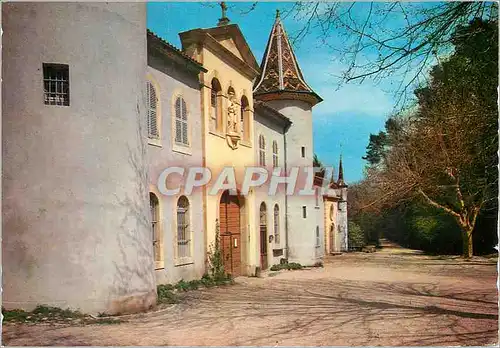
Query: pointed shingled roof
(281, 77)
(341, 181)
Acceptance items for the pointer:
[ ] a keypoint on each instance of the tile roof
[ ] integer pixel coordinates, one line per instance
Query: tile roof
(175, 50)
(280, 71)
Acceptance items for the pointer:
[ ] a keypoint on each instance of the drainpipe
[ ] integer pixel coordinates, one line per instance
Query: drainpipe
(285, 130)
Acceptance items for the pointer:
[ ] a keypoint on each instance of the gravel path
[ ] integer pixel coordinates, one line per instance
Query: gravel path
(391, 297)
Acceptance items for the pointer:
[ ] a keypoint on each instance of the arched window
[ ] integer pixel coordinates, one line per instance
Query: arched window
(244, 117)
(183, 228)
(154, 206)
(275, 154)
(215, 103)
(152, 111)
(276, 224)
(181, 122)
(262, 151)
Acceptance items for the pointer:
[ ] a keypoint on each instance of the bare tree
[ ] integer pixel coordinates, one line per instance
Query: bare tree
(393, 39)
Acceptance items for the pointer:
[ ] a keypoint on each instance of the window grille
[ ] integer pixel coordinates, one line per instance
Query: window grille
(183, 232)
(276, 224)
(181, 122)
(154, 206)
(152, 108)
(56, 84)
(275, 154)
(262, 151)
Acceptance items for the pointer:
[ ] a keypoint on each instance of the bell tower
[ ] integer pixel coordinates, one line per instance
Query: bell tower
(281, 85)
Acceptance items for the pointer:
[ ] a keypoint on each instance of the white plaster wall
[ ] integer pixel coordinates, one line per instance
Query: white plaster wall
(171, 81)
(76, 229)
(271, 132)
(301, 231)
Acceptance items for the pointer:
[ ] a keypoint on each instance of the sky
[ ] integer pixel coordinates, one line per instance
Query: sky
(343, 122)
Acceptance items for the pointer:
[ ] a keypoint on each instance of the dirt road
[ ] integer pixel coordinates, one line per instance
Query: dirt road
(391, 297)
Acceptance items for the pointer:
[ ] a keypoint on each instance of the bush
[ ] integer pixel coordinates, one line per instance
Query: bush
(356, 237)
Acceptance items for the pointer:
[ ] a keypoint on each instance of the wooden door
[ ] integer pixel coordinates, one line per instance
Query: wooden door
(230, 233)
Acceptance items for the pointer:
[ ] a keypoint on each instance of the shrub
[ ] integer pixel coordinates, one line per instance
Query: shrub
(356, 237)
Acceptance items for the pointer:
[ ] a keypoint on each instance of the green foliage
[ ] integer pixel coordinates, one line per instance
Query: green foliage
(166, 294)
(46, 314)
(287, 266)
(356, 237)
(215, 258)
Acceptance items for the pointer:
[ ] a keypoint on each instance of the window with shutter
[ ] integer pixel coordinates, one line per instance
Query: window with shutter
(181, 122)
(262, 151)
(275, 154)
(152, 111)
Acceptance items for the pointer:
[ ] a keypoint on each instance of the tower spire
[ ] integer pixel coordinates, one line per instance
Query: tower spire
(223, 20)
(340, 181)
(281, 77)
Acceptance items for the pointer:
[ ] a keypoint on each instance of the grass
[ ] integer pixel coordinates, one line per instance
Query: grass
(169, 294)
(288, 266)
(47, 314)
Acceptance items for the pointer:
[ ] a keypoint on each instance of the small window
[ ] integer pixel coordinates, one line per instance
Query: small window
(304, 211)
(303, 151)
(316, 193)
(56, 84)
(275, 154)
(215, 106)
(183, 228)
(243, 118)
(155, 213)
(317, 237)
(152, 107)
(262, 151)
(276, 224)
(181, 122)
(331, 212)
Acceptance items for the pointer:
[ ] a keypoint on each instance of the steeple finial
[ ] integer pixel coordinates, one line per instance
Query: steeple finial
(277, 13)
(223, 20)
(340, 181)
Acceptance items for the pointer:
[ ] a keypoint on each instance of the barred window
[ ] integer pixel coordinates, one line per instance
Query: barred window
(152, 108)
(275, 154)
(183, 228)
(56, 84)
(155, 213)
(262, 151)
(181, 122)
(276, 224)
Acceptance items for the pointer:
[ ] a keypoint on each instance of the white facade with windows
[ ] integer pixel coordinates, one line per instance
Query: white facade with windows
(179, 246)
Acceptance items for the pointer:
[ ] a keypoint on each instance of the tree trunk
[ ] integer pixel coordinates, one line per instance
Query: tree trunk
(467, 250)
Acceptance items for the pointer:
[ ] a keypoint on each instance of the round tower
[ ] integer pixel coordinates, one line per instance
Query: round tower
(76, 230)
(282, 86)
